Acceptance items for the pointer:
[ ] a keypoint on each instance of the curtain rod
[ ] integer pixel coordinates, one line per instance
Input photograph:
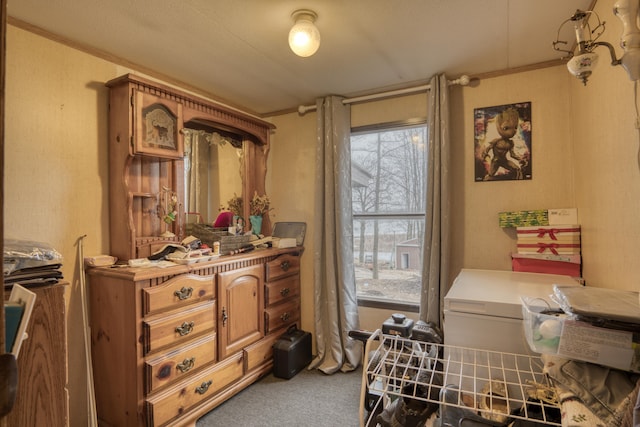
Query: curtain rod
(463, 81)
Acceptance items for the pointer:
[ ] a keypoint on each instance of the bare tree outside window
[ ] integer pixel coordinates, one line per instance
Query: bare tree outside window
(388, 201)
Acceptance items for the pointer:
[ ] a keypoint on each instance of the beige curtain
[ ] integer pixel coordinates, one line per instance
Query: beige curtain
(436, 246)
(336, 305)
(192, 164)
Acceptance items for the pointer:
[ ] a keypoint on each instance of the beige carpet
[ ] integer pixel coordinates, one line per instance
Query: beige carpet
(310, 398)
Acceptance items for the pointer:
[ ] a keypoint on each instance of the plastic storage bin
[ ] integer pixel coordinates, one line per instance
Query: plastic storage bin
(554, 332)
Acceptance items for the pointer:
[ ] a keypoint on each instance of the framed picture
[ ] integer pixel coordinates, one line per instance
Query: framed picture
(502, 142)
(157, 123)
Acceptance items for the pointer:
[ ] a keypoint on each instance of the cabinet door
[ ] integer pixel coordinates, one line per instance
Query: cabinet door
(241, 302)
(157, 126)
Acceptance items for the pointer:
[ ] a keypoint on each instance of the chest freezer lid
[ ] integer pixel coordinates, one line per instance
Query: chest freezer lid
(497, 293)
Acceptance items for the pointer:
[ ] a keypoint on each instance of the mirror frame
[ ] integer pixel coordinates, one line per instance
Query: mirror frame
(255, 135)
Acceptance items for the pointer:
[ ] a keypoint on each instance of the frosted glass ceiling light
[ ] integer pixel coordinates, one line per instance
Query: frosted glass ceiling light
(583, 61)
(304, 37)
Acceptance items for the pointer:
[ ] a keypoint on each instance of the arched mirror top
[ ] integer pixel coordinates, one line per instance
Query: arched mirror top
(197, 109)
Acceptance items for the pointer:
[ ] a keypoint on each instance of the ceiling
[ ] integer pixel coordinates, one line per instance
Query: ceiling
(237, 50)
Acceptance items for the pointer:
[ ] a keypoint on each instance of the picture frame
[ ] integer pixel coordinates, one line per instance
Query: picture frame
(502, 142)
(158, 125)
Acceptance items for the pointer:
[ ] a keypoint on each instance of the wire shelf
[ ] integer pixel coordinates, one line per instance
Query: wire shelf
(480, 384)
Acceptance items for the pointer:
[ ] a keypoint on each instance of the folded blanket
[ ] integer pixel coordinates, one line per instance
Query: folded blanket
(593, 395)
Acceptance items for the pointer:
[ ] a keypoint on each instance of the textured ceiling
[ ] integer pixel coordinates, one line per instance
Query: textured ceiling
(237, 50)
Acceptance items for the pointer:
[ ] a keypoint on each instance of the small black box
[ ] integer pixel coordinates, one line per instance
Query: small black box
(291, 353)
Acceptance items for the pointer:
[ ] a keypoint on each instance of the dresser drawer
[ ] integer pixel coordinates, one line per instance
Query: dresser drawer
(258, 353)
(282, 266)
(282, 315)
(177, 292)
(282, 289)
(177, 400)
(178, 327)
(176, 364)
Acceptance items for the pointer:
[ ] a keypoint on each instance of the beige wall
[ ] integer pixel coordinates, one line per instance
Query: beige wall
(585, 149)
(607, 168)
(56, 169)
(478, 241)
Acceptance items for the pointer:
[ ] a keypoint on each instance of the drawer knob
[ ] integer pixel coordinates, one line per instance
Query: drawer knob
(285, 316)
(284, 265)
(185, 328)
(202, 389)
(184, 293)
(284, 292)
(186, 365)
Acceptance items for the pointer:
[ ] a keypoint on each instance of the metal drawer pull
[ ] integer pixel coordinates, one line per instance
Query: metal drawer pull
(284, 265)
(285, 316)
(284, 292)
(186, 365)
(185, 329)
(224, 316)
(184, 293)
(203, 387)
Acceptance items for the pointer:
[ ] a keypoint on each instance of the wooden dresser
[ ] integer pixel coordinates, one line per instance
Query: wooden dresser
(170, 344)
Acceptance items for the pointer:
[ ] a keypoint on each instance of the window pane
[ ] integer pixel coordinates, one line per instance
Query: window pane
(388, 170)
(388, 185)
(388, 260)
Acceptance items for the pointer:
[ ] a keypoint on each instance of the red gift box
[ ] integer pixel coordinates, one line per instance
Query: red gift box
(569, 265)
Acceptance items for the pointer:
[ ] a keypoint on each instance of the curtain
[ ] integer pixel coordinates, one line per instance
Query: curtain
(435, 261)
(192, 165)
(336, 305)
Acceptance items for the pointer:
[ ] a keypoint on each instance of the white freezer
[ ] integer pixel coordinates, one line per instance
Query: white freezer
(483, 309)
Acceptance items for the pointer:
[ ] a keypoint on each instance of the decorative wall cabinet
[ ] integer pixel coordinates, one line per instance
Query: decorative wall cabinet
(171, 344)
(147, 167)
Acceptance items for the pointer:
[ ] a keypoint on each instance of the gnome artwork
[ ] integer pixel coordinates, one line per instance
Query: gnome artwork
(503, 142)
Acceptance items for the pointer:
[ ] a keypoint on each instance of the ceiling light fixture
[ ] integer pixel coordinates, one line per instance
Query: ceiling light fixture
(304, 37)
(585, 59)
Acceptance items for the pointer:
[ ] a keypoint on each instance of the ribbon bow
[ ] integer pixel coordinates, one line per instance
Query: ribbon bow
(551, 231)
(551, 246)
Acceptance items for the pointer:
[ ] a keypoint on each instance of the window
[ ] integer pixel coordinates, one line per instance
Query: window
(388, 172)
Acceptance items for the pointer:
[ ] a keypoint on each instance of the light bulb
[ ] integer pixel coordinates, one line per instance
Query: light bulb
(304, 37)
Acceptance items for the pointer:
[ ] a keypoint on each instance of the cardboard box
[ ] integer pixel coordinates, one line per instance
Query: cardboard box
(568, 265)
(560, 335)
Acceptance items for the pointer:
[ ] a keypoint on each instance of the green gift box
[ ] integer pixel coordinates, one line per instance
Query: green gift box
(523, 218)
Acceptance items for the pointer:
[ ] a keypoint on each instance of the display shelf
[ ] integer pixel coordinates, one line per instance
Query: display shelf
(453, 383)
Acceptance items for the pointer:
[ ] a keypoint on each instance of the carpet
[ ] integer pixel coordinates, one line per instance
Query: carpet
(310, 398)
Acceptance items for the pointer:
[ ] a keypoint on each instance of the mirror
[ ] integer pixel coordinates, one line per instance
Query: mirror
(213, 166)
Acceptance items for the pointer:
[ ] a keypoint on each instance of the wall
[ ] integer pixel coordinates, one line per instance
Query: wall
(476, 205)
(56, 169)
(290, 177)
(607, 169)
(584, 146)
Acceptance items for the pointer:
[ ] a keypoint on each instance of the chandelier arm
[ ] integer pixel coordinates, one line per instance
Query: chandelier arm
(612, 52)
(557, 49)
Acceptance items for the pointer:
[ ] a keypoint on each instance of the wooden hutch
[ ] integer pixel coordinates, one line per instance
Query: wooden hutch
(170, 344)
